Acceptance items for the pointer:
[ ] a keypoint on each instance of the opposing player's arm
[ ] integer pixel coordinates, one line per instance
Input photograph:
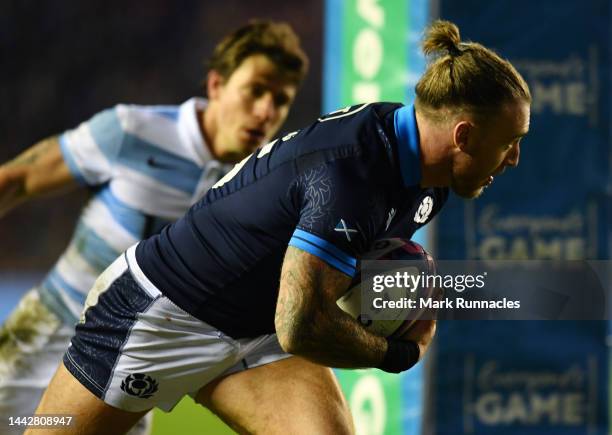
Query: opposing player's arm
(310, 324)
(39, 170)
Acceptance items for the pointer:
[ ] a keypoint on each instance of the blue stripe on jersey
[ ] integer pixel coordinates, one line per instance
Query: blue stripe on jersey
(92, 248)
(129, 218)
(323, 249)
(74, 168)
(51, 299)
(170, 112)
(50, 295)
(168, 168)
(408, 148)
(324, 244)
(104, 128)
(55, 282)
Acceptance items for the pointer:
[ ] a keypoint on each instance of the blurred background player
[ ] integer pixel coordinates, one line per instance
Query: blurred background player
(145, 165)
(323, 195)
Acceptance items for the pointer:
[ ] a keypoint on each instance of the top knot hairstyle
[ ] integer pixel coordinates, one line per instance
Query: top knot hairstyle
(465, 76)
(442, 36)
(276, 40)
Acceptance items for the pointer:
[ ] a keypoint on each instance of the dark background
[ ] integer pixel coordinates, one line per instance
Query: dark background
(64, 61)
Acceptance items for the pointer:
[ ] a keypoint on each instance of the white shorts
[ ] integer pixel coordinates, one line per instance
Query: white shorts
(135, 349)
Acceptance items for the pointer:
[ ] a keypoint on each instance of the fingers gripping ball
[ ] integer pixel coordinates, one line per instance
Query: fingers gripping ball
(404, 259)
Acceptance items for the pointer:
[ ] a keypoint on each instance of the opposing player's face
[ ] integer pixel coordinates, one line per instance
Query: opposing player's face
(248, 107)
(490, 147)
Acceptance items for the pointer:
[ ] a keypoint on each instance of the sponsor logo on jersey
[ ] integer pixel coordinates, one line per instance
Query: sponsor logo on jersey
(155, 163)
(139, 385)
(422, 214)
(343, 228)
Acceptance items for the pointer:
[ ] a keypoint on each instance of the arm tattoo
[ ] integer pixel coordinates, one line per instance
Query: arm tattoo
(33, 154)
(40, 169)
(307, 312)
(287, 311)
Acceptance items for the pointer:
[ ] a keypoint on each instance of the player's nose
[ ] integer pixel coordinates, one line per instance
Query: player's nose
(264, 108)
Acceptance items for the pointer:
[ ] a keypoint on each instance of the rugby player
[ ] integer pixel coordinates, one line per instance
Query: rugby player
(252, 272)
(145, 166)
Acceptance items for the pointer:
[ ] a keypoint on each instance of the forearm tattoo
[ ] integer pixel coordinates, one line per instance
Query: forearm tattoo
(33, 154)
(307, 312)
(288, 311)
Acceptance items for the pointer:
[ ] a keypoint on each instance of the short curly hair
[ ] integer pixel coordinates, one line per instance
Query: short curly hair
(276, 40)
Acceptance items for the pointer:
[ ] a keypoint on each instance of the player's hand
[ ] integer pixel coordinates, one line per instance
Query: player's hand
(41, 169)
(422, 333)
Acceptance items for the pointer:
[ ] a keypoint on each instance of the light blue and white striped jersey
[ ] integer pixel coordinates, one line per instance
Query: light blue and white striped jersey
(146, 166)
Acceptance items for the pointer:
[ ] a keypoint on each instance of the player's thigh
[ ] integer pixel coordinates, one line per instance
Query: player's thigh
(90, 415)
(292, 395)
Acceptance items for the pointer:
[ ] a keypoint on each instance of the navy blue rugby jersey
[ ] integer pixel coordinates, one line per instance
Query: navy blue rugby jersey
(330, 189)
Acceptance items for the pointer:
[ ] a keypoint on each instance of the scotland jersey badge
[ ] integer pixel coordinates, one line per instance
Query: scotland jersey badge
(424, 210)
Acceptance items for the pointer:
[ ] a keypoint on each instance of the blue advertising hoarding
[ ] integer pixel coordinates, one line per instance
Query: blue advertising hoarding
(537, 377)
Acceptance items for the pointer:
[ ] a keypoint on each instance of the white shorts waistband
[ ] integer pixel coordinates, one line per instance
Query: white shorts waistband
(139, 275)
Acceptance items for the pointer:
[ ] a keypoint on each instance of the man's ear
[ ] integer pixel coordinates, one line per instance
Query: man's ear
(214, 84)
(461, 136)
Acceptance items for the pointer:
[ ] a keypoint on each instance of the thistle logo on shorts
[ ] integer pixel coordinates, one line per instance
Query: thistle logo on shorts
(420, 217)
(139, 385)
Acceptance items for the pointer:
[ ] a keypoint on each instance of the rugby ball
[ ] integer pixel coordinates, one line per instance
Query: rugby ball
(400, 256)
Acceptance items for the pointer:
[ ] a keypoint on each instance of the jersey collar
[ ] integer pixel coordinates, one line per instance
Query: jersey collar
(408, 149)
(189, 130)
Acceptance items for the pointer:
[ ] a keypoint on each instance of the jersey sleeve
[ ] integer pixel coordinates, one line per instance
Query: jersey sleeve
(341, 212)
(91, 149)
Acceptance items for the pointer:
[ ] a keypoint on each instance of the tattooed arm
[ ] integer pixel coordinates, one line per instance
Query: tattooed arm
(38, 170)
(310, 324)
